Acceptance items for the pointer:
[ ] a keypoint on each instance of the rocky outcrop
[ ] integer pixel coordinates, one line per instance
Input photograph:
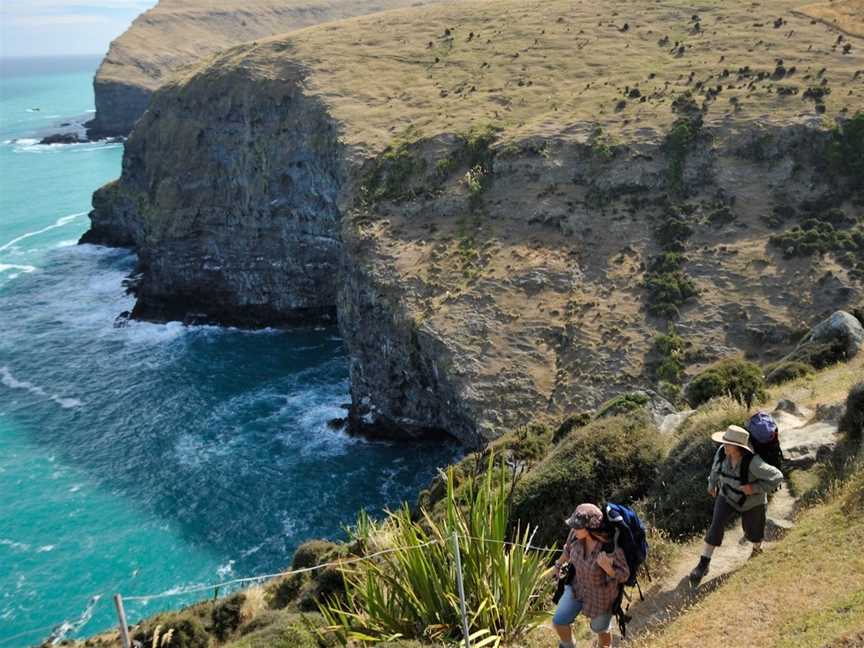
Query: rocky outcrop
(175, 33)
(843, 328)
(230, 200)
(490, 258)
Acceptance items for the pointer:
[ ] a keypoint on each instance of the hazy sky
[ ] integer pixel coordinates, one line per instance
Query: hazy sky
(52, 27)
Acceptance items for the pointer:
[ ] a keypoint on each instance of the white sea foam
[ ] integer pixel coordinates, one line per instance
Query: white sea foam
(146, 333)
(60, 222)
(11, 382)
(223, 571)
(67, 627)
(17, 546)
(6, 267)
(46, 548)
(66, 243)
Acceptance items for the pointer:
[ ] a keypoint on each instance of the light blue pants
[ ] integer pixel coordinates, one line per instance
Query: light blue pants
(569, 608)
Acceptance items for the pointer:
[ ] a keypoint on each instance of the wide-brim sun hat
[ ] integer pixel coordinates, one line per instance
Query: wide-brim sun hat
(586, 516)
(734, 435)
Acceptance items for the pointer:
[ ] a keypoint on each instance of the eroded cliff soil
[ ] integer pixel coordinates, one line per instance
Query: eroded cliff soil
(506, 202)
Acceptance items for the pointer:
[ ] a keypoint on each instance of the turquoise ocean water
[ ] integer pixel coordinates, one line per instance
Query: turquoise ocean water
(146, 458)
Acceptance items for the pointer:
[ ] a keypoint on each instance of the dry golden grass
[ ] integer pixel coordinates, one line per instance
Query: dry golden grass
(180, 32)
(846, 15)
(826, 387)
(547, 67)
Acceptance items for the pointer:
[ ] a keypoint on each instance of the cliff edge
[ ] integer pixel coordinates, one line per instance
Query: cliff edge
(505, 203)
(175, 33)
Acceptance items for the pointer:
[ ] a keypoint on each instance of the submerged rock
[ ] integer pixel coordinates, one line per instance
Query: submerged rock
(62, 138)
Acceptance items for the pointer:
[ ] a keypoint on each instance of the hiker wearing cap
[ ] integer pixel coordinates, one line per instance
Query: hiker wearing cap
(737, 493)
(598, 568)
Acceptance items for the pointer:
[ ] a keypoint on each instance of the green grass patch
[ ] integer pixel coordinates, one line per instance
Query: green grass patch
(623, 404)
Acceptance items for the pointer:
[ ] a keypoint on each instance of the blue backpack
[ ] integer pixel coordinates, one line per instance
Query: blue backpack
(627, 531)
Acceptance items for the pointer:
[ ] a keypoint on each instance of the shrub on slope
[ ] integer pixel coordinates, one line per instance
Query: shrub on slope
(678, 501)
(612, 459)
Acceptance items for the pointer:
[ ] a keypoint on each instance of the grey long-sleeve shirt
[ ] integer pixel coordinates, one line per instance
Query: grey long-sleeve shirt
(763, 477)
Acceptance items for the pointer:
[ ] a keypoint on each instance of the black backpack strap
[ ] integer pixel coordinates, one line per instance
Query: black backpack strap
(620, 613)
(745, 467)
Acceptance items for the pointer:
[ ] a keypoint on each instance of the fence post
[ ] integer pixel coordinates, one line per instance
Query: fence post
(461, 587)
(121, 618)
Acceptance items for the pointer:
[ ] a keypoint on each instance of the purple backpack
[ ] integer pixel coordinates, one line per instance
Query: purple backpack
(765, 439)
(762, 427)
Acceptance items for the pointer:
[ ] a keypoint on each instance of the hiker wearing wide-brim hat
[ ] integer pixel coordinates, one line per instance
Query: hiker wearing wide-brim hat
(596, 574)
(740, 481)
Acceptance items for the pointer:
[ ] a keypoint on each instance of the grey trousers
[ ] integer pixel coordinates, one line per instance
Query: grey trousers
(752, 521)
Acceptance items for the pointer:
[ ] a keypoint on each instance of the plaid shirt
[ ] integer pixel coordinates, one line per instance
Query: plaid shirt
(591, 585)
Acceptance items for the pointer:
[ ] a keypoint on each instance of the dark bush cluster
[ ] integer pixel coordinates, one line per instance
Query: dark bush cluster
(613, 459)
(819, 354)
(668, 285)
(684, 133)
(669, 348)
(785, 371)
(389, 177)
(673, 231)
(816, 236)
(571, 423)
(846, 148)
(623, 404)
(731, 377)
(678, 502)
(852, 423)
(227, 615)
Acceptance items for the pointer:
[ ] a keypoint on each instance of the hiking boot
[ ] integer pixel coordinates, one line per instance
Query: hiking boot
(757, 551)
(700, 570)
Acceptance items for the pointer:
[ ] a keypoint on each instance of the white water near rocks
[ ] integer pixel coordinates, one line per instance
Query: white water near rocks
(147, 457)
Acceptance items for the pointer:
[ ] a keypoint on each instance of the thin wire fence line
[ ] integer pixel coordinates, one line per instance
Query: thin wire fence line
(337, 563)
(510, 544)
(251, 579)
(6, 640)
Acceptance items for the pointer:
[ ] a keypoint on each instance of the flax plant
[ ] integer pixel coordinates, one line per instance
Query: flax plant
(412, 592)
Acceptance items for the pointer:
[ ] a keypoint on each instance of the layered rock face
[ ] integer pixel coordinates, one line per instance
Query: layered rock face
(175, 33)
(229, 194)
(501, 235)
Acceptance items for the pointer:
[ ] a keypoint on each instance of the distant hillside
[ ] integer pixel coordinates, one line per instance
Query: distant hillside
(180, 32)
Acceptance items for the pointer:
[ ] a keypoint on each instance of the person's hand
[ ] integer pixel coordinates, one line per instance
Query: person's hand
(747, 489)
(712, 491)
(604, 562)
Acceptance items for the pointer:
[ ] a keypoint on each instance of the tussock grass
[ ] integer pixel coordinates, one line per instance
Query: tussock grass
(411, 593)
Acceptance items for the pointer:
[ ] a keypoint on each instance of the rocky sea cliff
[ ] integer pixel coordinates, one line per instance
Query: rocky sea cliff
(493, 254)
